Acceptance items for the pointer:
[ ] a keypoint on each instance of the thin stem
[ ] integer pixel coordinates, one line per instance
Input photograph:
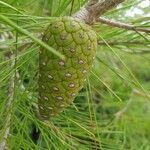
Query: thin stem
(122, 25)
(121, 42)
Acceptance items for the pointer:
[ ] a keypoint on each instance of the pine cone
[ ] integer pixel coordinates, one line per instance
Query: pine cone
(60, 80)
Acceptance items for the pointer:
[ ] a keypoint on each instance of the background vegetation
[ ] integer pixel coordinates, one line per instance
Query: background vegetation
(112, 111)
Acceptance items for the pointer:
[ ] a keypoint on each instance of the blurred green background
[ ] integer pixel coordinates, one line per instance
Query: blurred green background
(112, 111)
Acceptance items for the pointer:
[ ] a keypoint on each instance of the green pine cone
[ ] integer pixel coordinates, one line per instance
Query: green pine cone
(60, 80)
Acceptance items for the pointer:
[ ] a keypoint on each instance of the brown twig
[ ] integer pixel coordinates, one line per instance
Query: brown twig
(122, 25)
(94, 9)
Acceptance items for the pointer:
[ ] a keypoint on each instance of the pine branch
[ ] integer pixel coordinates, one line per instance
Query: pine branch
(94, 9)
(101, 7)
(122, 25)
